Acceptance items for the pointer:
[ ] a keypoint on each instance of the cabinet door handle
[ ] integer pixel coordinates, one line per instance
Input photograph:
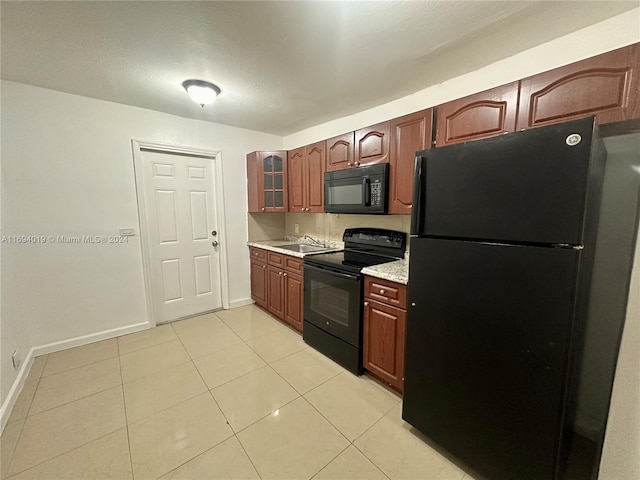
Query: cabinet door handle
(302, 208)
(284, 275)
(263, 209)
(366, 304)
(381, 291)
(214, 243)
(279, 273)
(350, 164)
(264, 266)
(357, 164)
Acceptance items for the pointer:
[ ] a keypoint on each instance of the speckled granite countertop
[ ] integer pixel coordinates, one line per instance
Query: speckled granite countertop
(271, 245)
(397, 271)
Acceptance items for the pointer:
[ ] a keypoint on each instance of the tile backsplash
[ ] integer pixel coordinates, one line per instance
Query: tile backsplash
(331, 226)
(323, 226)
(265, 226)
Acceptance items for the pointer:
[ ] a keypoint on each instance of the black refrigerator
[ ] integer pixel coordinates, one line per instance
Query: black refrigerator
(502, 241)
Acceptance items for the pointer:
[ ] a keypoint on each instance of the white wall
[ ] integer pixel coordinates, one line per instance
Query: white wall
(68, 170)
(613, 33)
(620, 457)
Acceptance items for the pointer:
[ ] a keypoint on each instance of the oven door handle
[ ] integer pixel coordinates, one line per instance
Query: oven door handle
(333, 272)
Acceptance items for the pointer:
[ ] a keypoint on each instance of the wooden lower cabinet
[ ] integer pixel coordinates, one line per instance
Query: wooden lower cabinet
(276, 291)
(383, 337)
(277, 285)
(259, 283)
(294, 301)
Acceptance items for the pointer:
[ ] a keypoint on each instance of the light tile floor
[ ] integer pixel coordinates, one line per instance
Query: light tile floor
(230, 395)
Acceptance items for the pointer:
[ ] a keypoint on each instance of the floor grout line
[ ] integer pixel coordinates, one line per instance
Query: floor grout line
(192, 359)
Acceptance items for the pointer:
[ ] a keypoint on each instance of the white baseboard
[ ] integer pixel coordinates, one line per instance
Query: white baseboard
(241, 303)
(14, 391)
(91, 338)
(16, 388)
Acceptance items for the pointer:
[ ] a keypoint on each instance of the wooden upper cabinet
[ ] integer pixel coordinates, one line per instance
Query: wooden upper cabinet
(606, 86)
(306, 178)
(339, 152)
(267, 181)
(408, 135)
(296, 179)
(485, 114)
(315, 154)
(372, 144)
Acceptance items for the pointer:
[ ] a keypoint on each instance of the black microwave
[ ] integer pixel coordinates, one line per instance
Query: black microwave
(357, 190)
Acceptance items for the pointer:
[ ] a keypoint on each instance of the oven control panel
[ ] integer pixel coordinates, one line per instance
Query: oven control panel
(375, 237)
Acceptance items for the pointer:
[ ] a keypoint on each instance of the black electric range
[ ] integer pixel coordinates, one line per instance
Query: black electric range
(333, 292)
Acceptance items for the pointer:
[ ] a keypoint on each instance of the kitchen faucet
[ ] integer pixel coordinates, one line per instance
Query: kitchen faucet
(316, 242)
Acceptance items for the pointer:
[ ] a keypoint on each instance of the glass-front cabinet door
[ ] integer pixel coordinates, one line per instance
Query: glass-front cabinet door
(274, 171)
(267, 181)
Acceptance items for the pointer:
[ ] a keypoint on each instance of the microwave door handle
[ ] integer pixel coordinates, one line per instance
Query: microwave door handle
(366, 191)
(416, 208)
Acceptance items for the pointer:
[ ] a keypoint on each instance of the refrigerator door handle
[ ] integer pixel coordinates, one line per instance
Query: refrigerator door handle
(416, 208)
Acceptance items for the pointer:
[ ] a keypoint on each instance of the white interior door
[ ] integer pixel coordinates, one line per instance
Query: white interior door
(182, 232)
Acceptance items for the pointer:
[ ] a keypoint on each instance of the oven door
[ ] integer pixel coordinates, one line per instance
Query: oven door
(332, 302)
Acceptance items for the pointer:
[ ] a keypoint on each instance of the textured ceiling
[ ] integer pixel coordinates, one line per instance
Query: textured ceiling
(282, 66)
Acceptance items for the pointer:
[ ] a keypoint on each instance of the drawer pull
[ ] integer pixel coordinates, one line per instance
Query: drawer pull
(381, 291)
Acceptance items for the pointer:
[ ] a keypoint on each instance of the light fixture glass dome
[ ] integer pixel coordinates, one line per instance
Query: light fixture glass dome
(201, 92)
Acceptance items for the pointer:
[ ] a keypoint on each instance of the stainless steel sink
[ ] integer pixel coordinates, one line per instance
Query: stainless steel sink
(302, 247)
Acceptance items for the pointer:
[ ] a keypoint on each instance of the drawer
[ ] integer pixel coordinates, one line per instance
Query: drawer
(293, 264)
(258, 254)
(391, 293)
(275, 259)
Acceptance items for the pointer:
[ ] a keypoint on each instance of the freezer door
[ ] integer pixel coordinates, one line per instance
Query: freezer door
(487, 346)
(529, 186)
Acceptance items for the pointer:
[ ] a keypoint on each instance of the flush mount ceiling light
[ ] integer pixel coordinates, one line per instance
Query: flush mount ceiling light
(201, 92)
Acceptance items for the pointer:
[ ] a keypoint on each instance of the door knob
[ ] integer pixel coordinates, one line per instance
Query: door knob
(214, 233)
(214, 243)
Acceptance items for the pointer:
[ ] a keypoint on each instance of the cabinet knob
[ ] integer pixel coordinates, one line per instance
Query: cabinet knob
(366, 304)
(264, 266)
(307, 209)
(214, 243)
(302, 208)
(279, 273)
(284, 275)
(357, 164)
(262, 209)
(382, 291)
(214, 233)
(350, 164)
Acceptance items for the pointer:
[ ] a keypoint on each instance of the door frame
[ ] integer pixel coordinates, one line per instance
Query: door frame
(216, 158)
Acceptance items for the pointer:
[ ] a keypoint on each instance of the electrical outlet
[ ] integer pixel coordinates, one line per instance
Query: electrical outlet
(15, 358)
(296, 227)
